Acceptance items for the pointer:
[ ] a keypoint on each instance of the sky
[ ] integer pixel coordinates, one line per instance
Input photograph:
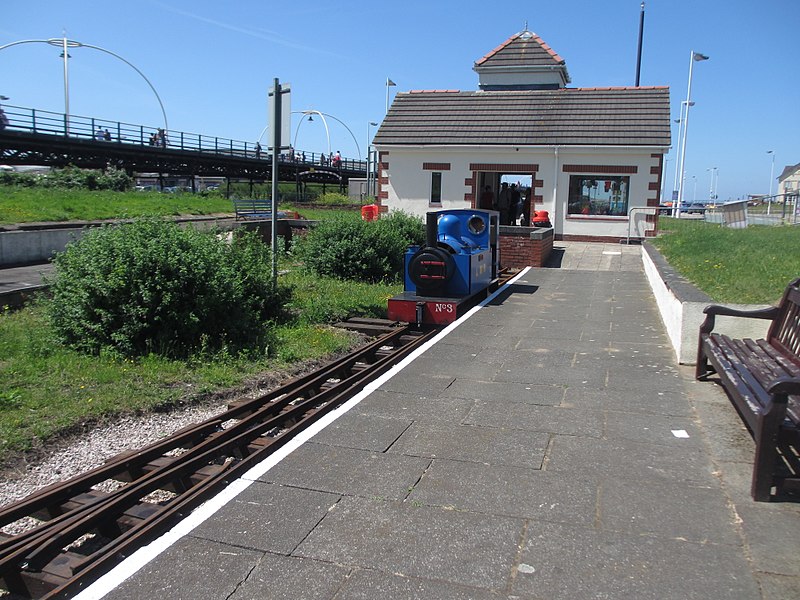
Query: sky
(212, 64)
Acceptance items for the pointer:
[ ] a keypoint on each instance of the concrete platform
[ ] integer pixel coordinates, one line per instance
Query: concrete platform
(548, 447)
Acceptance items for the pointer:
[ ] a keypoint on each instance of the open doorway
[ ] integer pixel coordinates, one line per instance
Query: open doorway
(508, 193)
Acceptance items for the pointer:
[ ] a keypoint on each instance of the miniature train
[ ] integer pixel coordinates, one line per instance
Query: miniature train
(459, 262)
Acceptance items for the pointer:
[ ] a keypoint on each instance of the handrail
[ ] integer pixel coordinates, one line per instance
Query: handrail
(42, 122)
(630, 214)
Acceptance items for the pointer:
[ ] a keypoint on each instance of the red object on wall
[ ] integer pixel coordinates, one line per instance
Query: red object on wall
(369, 212)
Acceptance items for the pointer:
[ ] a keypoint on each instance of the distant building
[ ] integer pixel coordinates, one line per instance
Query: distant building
(789, 181)
(592, 155)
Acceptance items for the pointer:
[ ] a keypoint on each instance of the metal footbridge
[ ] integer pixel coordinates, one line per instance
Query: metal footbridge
(38, 137)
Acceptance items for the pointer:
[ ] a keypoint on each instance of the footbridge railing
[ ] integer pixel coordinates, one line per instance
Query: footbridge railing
(42, 122)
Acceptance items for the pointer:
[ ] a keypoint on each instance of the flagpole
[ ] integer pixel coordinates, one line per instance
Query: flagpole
(389, 83)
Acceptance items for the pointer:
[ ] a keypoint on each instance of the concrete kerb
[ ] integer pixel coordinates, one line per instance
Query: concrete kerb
(681, 307)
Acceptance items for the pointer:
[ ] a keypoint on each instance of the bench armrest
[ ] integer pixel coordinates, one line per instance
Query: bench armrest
(712, 310)
(785, 385)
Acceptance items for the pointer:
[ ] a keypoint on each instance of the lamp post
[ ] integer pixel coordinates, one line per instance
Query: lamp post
(679, 121)
(65, 45)
(771, 175)
(370, 178)
(711, 195)
(322, 115)
(695, 56)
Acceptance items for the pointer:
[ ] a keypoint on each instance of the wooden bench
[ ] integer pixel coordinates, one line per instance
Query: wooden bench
(762, 378)
(258, 208)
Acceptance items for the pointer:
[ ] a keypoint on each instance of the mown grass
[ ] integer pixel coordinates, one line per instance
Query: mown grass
(46, 389)
(749, 266)
(19, 204)
(25, 205)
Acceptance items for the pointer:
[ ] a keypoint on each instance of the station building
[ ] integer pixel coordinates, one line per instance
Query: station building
(591, 157)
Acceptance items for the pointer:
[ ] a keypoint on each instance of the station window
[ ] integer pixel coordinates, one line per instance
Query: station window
(599, 195)
(436, 187)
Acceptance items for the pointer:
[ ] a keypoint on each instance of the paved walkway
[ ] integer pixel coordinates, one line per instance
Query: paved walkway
(549, 447)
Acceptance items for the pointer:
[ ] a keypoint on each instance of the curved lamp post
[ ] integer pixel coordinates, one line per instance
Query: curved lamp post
(322, 115)
(65, 45)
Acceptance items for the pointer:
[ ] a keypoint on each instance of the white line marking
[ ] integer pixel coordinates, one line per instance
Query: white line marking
(144, 555)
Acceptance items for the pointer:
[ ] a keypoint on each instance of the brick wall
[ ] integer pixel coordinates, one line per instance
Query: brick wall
(525, 246)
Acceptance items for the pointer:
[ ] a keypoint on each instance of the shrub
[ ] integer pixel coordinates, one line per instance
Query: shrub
(72, 178)
(152, 287)
(348, 248)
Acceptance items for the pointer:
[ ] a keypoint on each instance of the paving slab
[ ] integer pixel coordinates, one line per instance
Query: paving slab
(287, 578)
(565, 562)
(417, 541)
(349, 471)
(509, 491)
(367, 584)
(268, 517)
(182, 573)
(484, 445)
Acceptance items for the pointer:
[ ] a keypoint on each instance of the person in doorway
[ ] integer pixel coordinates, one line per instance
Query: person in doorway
(515, 204)
(504, 204)
(487, 199)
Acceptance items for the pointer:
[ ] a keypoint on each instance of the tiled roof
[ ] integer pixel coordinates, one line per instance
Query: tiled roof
(521, 49)
(624, 116)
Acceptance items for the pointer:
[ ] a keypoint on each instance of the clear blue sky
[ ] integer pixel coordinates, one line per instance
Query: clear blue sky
(212, 63)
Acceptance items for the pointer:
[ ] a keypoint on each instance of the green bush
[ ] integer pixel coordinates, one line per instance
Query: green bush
(72, 178)
(152, 287)
(346, 247)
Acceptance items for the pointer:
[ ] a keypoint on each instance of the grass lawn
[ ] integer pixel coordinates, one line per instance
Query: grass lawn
(20, 204)
(749, 266)
(46, 389)
(25, 205)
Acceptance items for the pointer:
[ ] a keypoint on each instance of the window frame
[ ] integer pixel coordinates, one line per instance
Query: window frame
(436, 188)
(578, 206)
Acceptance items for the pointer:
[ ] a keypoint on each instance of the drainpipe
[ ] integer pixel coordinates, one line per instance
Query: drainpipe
(556, 221)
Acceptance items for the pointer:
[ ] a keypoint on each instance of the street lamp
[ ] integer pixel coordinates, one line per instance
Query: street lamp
(679, 121)
(370, 178)
(327, 131)
(711, 195)
(65, 45)
(771, 175)
(695, 56)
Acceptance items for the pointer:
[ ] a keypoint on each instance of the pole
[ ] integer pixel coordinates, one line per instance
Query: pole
(66, 86)
(771, 175)
(639, 52)
(276, 148)
(677, 157)
(692, 57)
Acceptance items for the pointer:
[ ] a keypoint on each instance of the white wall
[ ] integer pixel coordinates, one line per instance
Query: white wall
(409, 186)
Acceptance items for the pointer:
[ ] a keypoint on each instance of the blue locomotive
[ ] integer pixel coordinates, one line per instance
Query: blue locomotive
(459, 260)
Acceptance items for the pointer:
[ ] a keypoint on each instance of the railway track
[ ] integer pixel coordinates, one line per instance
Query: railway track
(85, 525)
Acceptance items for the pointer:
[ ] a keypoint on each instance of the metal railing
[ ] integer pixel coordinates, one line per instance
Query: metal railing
(42, 122)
